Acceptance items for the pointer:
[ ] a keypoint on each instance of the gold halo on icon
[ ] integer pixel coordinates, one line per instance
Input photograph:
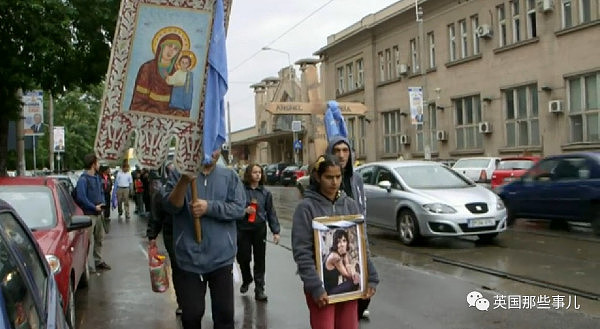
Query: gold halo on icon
(171, 30)
(192, 57)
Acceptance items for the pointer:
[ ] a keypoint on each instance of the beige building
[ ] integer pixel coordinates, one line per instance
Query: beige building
(498, 78)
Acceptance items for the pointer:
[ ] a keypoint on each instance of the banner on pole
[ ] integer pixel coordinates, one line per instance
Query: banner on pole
(157, 81)
(33, 111)
(59, 139)
(415, 97)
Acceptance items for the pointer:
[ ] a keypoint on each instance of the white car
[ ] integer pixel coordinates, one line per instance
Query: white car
(477, 169)
(428, 199)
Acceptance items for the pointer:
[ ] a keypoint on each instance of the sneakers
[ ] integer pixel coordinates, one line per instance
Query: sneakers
(178, 311)
(260, 296)
(103, 266)
(365, 314)
(244, 288)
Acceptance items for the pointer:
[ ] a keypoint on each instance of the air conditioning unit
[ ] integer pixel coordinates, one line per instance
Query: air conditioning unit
(555, 106)
(485, 127)
(546, 6)
(404, 139)
(403, 69)
(484, 31)
(441, 135)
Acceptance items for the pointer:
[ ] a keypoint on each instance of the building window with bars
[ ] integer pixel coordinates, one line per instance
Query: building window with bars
(360, 74)
(501, 25)
(388, 64)
(391, 132)
(381, 66)
(451, 43)
(584, 107)
(474, 25)
(467, 119)
(531, 19)
(341, 81)
(521, 116)
(397, 61)
(350, 77)
(516, 21)
(464, 39)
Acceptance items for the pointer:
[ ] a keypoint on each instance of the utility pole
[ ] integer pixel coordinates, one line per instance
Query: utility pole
(50, 132)
(426, 119)
(21, 167)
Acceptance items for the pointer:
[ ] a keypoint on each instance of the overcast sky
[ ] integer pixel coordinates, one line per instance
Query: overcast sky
(256, 24)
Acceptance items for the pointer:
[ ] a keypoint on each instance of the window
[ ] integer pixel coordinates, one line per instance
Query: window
(431, 50)
(584, 108)
(474, 25)
(340, 73)
(468, 116)
(360, 73)
(531, 19)
(432, 118)
(585, 11)
(362, 124)
(567, 14)
(451, 43)
(388, 64)
(516, 21)
(367, 173)
(350, 127)
(464, 37)
(391, 132)
(522, 125)
(381, 67)
(397, 61)
(351, 85)
(414, 56)
(501, 26)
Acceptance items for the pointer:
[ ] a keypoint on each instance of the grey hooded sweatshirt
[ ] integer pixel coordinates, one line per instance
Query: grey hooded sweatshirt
(314, 205)
(351, 184)
(223, 190)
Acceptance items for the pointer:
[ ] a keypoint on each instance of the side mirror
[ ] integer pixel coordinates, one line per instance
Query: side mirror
(385, 184)
(79, 222)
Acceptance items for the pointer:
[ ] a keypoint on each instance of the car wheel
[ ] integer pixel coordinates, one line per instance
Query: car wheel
(487, 238)
(85, 277)
(510, 214)
(71, 319)
(408, 227)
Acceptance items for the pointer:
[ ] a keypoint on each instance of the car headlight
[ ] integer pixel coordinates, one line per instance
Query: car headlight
(54, 263)
(439, 208)
(499, 203)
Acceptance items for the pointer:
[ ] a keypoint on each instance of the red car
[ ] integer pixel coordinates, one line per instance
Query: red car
(59, 227)
(511, 168)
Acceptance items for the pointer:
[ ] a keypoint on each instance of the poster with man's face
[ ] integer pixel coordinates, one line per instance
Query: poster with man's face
(59, 139)
(33, 111)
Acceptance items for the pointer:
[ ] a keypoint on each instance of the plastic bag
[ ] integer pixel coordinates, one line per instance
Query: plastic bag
(159, 277)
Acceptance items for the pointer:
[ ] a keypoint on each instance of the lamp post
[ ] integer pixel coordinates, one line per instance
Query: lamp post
(426, 127)
(293, 95)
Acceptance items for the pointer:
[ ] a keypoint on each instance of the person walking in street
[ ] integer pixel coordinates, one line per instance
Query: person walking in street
(220, 204)
(252, 231)
(107, 185)
(353, 185)
(90, 199)
(325, 199)
(123, 183)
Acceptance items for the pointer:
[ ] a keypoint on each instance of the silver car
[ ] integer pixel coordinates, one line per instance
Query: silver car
(427, 199)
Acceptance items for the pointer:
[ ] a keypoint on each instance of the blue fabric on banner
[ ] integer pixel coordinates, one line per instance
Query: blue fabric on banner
(335, 125)
(215, 134)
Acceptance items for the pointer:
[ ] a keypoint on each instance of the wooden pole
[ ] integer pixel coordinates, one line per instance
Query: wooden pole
(197, 224)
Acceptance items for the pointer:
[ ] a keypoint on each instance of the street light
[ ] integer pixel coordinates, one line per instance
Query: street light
(293, 94)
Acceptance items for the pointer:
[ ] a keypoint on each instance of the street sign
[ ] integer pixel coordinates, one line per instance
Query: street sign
(298, 145)
(296, 125)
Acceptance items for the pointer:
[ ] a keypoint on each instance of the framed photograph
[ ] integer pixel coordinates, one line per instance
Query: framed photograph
(341, 256)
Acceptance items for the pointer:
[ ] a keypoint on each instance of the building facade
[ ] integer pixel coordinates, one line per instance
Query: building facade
(498, 78)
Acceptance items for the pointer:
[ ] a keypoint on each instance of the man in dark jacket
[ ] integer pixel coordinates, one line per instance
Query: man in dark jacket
(91, 200)
(353, 185)
(220, 205)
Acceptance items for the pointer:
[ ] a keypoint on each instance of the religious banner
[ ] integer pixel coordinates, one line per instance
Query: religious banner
(167, 75)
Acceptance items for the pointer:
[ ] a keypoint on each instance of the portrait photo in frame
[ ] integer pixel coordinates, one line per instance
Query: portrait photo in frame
(341, 256)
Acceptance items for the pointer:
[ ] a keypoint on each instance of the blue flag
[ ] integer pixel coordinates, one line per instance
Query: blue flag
(334, 121)
(215, 132)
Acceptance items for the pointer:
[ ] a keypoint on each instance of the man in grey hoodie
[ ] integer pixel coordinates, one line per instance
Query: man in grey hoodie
(354, 187)
(220, 204)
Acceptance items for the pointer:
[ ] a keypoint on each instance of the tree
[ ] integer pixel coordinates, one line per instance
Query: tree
(54, 45)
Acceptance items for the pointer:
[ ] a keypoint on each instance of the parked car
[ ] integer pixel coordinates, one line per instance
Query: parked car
(428, 199)
(273, 172)
(30, 296)
(59, 227)
(302, 183)
(478, 169)
(69, 181)
(512, 168)
(560, 187)
(292, 173)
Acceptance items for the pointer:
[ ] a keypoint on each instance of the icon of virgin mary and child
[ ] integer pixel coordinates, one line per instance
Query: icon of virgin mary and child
(164, 84)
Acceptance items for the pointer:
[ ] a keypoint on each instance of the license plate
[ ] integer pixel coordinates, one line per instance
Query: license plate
(480, 222)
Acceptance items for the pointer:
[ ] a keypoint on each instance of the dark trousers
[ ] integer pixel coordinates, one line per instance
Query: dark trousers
(175, 270)
(363, 304)
(252, 242)
(220, 283)
(107, 204)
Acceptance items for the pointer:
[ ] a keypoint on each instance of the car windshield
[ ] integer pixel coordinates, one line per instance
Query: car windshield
(515, 164)
(431, 177)
(33, 203)
(472, 163)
